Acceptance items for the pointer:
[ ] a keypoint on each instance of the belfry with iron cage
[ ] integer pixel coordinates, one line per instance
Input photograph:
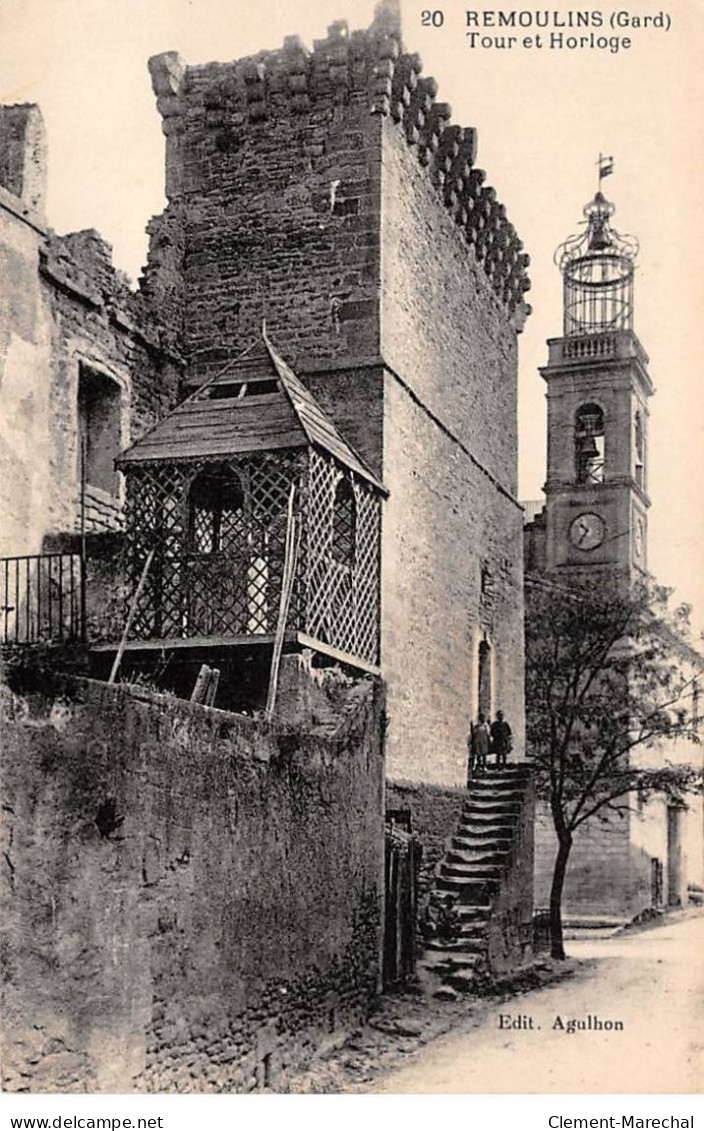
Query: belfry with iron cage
(211, 492)
(598, 388)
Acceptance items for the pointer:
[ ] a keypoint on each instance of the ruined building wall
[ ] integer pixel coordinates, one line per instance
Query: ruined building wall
(190, 900)
(109, 362)
(25, 332)
(74, 341)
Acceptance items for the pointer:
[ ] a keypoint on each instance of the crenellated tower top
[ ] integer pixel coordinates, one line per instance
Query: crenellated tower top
(371, 70)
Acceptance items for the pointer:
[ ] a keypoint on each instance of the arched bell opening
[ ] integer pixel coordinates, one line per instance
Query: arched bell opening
(589, 444)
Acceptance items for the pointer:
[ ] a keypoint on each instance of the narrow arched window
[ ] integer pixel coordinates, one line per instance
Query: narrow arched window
(216, 512)
(484, 681)
(589, 444)
(344, 524)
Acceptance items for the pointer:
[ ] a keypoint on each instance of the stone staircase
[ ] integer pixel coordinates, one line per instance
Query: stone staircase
(476, 867)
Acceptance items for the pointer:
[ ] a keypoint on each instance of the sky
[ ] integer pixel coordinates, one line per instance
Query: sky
(543, 116)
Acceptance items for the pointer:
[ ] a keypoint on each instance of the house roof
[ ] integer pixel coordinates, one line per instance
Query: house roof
(257, 403)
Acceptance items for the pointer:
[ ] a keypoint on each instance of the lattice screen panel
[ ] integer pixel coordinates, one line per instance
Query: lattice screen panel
(342, 607)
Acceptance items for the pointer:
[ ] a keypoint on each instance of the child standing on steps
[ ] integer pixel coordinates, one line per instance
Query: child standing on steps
(479, 743)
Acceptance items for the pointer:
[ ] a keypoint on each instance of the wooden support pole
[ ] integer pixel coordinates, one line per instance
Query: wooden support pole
(212, 688)
(201, 684)
(130, 617)
(292, 545)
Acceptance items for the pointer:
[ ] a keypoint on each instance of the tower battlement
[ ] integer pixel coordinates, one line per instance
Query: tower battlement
(212, 113)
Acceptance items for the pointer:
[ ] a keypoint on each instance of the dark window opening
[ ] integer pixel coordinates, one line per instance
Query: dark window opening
(344, 524)
(99, 431)
(216, 512)
(237, 390)
(346, 207)
(589, 444)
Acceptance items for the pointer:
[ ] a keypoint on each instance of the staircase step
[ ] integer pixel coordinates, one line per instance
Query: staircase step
(481, 819)
(478, 842)
(477, 856)
(471, 871)
(470, 914)
(484, 786)
(518, 769)
(486, 802)
(449, 962)
(478, 805)
(465, 944)
(468, 889)
(488, 829)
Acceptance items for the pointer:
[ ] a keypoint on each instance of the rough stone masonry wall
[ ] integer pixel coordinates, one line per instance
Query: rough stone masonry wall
(190, 900)
(272, 166)
(435, 814)
(452, 528)
(605, 879)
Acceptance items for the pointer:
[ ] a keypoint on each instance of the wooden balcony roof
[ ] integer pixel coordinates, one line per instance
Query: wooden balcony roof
(256, 404)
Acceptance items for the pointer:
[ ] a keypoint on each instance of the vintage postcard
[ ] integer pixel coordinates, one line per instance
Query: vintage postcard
(351, 587)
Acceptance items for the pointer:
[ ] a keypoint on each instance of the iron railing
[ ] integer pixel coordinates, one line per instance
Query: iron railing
(42, 599)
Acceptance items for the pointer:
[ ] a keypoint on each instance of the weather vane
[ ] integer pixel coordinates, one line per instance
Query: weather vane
(606, 167)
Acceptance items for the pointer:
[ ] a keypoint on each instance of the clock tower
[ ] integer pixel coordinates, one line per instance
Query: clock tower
(597, 393)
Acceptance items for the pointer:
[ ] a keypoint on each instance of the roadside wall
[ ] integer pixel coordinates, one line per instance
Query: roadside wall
(190, 900)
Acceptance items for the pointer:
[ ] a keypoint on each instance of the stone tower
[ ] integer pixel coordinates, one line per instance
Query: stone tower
(598, 389)
(327, 191)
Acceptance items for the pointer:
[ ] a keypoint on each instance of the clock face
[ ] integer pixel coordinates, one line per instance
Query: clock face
(587, 531)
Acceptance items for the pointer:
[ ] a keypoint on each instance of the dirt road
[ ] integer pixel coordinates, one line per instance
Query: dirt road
(645, 999)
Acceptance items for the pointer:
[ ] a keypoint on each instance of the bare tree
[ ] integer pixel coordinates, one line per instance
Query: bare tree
(608, 673)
